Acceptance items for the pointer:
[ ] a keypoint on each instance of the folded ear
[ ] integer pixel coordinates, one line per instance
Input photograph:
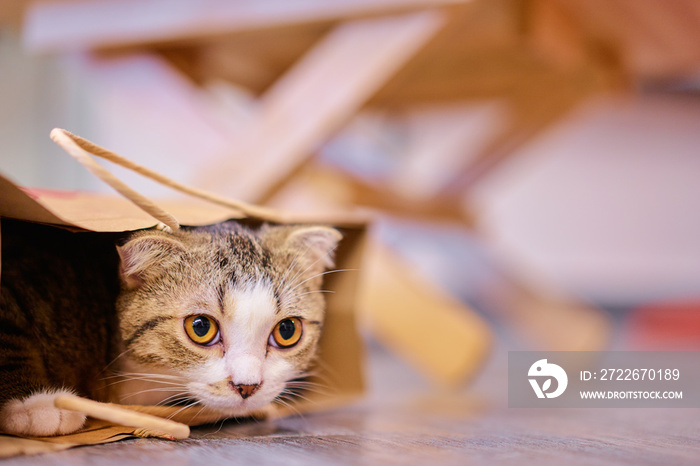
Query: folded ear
(317, 243)
(145, 255)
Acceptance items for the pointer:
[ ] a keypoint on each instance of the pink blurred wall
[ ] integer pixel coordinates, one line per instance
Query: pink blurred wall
(608, 202)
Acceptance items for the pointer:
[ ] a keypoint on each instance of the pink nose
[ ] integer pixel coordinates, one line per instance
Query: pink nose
(245, 390)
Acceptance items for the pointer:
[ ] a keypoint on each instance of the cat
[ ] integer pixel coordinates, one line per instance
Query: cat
(226, 316)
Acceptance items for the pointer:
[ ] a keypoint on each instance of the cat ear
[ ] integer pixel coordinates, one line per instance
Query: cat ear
(316, 242)
(141, 256)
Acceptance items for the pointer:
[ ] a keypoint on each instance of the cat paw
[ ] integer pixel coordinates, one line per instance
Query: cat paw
(36, 416)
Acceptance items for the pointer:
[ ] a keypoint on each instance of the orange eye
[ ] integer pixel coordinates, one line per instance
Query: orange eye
(286, 333)
(202, 330)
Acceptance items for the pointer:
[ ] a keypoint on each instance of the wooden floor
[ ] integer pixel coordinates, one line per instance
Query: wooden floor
(405, 421)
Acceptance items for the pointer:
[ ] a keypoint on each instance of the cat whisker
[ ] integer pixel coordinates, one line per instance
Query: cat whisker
(306, 375)
(320, 373)
(219, 290)
(149, 390)
(303, 381)
(288, 403)
(123, 379)
(202, 407)
(292, 297)
(162, 381)
(149, 381)
(221, 426)
(289, 299)
(194, 403)
(116, 359)
(183, 396)
(149, 374)
(141, 392)
(308, 388)
(327, 254)
(141, 375)
(295, 396)
(291, 267)
(154, 374)
(200, 273)
(319, 275)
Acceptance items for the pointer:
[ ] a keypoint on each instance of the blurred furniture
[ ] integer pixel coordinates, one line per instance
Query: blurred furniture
(314, 65)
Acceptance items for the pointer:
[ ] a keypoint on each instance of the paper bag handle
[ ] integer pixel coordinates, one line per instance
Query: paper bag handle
(124, 416)
(83, 151)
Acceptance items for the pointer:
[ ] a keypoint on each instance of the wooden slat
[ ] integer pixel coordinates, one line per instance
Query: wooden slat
(478, 74)
(117, 23)
(546, 319)
(251, 59)
(688, 14)
(654, 39)
(556, 34)
(315, 97)
(442, 337)
(537, 105)
(648, 47)
(675, 48)
(11, 13)
(476, 55)
(320, 187)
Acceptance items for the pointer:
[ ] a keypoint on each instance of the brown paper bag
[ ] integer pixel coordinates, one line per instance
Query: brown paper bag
(340, 365)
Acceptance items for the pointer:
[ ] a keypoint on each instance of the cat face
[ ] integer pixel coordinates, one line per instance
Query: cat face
(235, 314)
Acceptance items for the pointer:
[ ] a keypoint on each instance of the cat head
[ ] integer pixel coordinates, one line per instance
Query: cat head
(236, 313)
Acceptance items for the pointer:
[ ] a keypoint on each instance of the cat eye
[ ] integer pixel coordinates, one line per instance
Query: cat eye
(286, 333)
(202, 330)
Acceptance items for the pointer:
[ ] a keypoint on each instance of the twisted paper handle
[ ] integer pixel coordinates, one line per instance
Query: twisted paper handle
(146, 423)
(83, 151)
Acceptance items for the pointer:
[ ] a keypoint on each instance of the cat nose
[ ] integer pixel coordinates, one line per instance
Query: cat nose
(245, 390)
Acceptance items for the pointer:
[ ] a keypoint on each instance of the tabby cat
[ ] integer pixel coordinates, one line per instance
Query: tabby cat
(225, 316)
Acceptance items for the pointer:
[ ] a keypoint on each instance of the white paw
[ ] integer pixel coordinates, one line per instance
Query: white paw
(36, 416)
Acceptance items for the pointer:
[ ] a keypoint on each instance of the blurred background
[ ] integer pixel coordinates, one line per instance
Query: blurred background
(538, 161)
